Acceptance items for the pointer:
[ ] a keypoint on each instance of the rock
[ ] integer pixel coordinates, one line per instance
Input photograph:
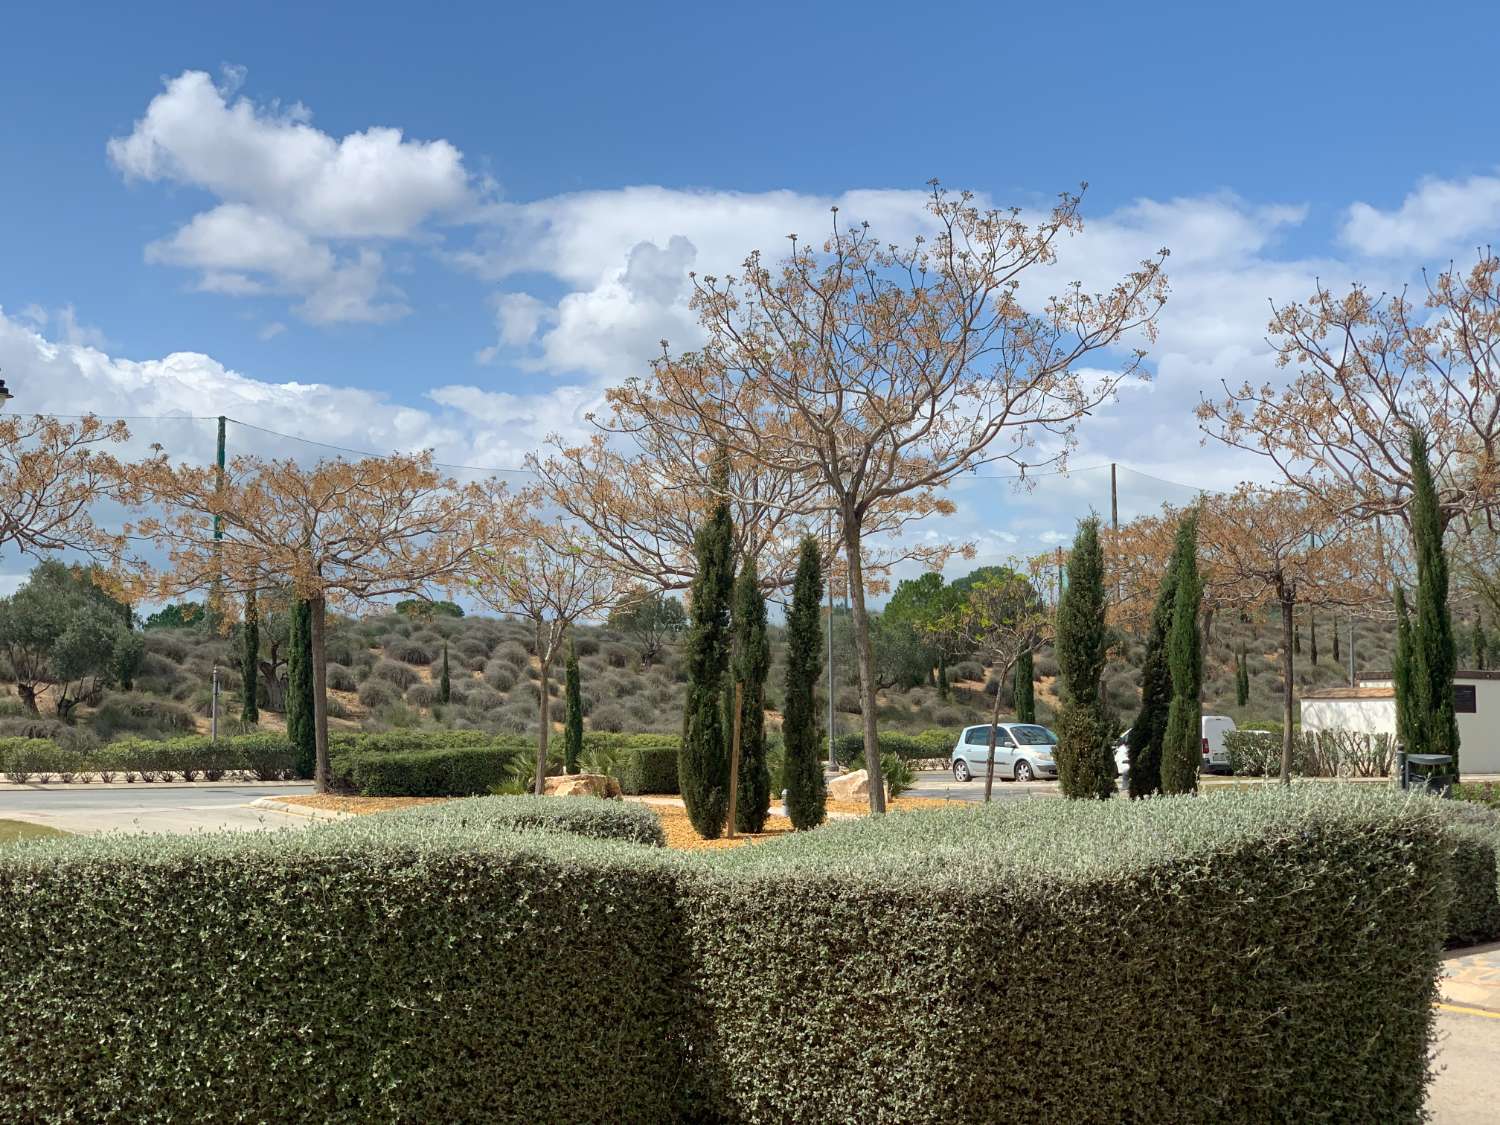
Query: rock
(850, 786)
(582, 785)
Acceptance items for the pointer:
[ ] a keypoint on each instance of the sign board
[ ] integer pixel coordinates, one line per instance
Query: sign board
(1464, 700)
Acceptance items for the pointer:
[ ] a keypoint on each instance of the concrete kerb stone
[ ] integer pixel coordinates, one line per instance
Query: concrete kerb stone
(276, 804)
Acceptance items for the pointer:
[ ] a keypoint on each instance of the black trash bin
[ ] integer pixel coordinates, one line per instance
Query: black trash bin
(1432, 773)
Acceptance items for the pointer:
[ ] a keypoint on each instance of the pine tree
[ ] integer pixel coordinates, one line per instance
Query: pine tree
(1085, 765)
(301, 727)
(573, 725)
(703, 762)
(250, 662)
(1182, 745)
(752, 664)
(1434, 653)
(1025, 690)
(806, 789)
(445, 685)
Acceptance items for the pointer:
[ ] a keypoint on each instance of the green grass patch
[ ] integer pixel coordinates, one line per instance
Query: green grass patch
(13, 830)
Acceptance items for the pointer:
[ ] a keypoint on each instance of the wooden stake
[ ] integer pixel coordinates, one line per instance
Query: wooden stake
(734, 754)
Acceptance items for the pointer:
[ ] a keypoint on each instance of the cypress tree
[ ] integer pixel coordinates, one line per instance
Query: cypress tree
(1242, 679)
(573, 725)
(1025, 689)
(1481, 644)
(806, 789)
(1181, 750)
(1150, 725)
(300, 724)
(445, 685)
(249, 662)
(1337, 659)
(703, 762)
(1435, 653)
(1313, 637)
(1085, 766)
(1409, 720)
(752, 664)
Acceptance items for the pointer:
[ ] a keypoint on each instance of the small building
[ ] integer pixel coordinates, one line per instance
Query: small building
(1370, 708)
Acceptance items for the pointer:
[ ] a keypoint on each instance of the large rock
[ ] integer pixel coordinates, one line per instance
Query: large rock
(581, 785)
(850, 786)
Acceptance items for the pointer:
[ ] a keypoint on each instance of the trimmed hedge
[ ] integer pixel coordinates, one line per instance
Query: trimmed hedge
(1474, 835)
(463, 771)
(267, 757)
(849, 749)
(649, 769)
(398, 967)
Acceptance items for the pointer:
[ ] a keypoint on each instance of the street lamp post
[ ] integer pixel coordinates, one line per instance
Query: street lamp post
(5, 395)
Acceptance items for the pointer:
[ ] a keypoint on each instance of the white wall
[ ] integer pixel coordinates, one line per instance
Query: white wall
(1478, 733)
(1365, 716)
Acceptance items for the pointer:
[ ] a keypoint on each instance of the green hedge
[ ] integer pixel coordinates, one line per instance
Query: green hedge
(1241, 957)
(599, 820)
(849, 749)
(463, 771)
(1475, 838)
(649, 769)
(267, 757)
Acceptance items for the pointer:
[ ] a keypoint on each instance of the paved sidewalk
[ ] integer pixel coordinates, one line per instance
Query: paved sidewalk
(153, 807)
(1471, 979)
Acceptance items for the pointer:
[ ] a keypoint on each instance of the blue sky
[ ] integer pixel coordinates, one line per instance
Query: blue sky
(205, 208)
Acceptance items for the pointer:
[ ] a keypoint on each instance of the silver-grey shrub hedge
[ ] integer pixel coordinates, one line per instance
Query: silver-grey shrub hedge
(1264, 955)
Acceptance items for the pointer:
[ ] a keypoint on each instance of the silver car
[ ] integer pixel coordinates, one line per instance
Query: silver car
(1023, 752)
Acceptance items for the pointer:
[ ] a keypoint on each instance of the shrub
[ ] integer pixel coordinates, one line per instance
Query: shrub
(454, 772)
(500, 675)
(966, 670)
(374, 694)
(649, 769)
(411, 651)
(396, 673)
(618, 656)
(898, 774)
(1319, 891)
(1475, 913)
(849, 749)
(609, 717)
(140, 714)
(422, 695)
(514, 654)
(341, 678)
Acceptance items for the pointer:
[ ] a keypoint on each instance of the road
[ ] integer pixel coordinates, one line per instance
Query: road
(148, 807)
(932, 783)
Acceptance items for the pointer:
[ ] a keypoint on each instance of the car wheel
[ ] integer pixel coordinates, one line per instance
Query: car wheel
(1024, 772)
(961, 770)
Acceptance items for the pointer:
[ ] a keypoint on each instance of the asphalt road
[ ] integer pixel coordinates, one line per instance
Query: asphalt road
(931, 783)
(148, 807)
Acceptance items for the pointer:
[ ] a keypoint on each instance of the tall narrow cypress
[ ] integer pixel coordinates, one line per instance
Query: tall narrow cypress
(445, 685)
(806, 788)
(1436, 655)
(1481, 645)
(249, 662)
(1150, 725)
(1336, 657)
(1410, 722)
(1085, 765)
(301, 727)
(752, 664)
(1025, 688)
(573, 725)
(703, 762)
(1242, 678)
(1313, 636)
(1182, 744)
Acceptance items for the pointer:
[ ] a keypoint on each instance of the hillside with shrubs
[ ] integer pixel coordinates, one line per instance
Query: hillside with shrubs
(96, 672)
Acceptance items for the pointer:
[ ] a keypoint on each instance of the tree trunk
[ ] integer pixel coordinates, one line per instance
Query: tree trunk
(989, 766)
(1288, 609)
(322, 774)
(27, 692)
(544, 727)
(275, 686)
(865, 657)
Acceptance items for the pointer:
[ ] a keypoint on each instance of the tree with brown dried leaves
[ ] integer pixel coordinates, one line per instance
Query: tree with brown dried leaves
(1371, 369)
(52, 474)
(337, 533)
(549, 573)
(881, 373)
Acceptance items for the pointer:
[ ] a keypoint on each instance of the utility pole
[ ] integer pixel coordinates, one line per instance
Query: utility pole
(1114, 522)
(1351, 649)
(216, 593)
(214, 707)
(828, 570)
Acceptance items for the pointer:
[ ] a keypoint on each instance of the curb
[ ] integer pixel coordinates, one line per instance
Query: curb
(87, 786)
(275, 804)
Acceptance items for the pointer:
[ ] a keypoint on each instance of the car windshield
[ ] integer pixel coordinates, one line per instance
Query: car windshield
(1034, 736)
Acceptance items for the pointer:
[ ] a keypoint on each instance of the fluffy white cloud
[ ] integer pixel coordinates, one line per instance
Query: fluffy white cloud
(302, 212)
(464, 425)
(1436, 217)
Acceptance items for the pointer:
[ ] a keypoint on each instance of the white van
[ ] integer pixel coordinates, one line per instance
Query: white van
(1215, 753)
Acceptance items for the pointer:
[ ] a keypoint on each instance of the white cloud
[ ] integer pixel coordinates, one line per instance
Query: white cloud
(464, 425)
(301, 212)
(1437, 217)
